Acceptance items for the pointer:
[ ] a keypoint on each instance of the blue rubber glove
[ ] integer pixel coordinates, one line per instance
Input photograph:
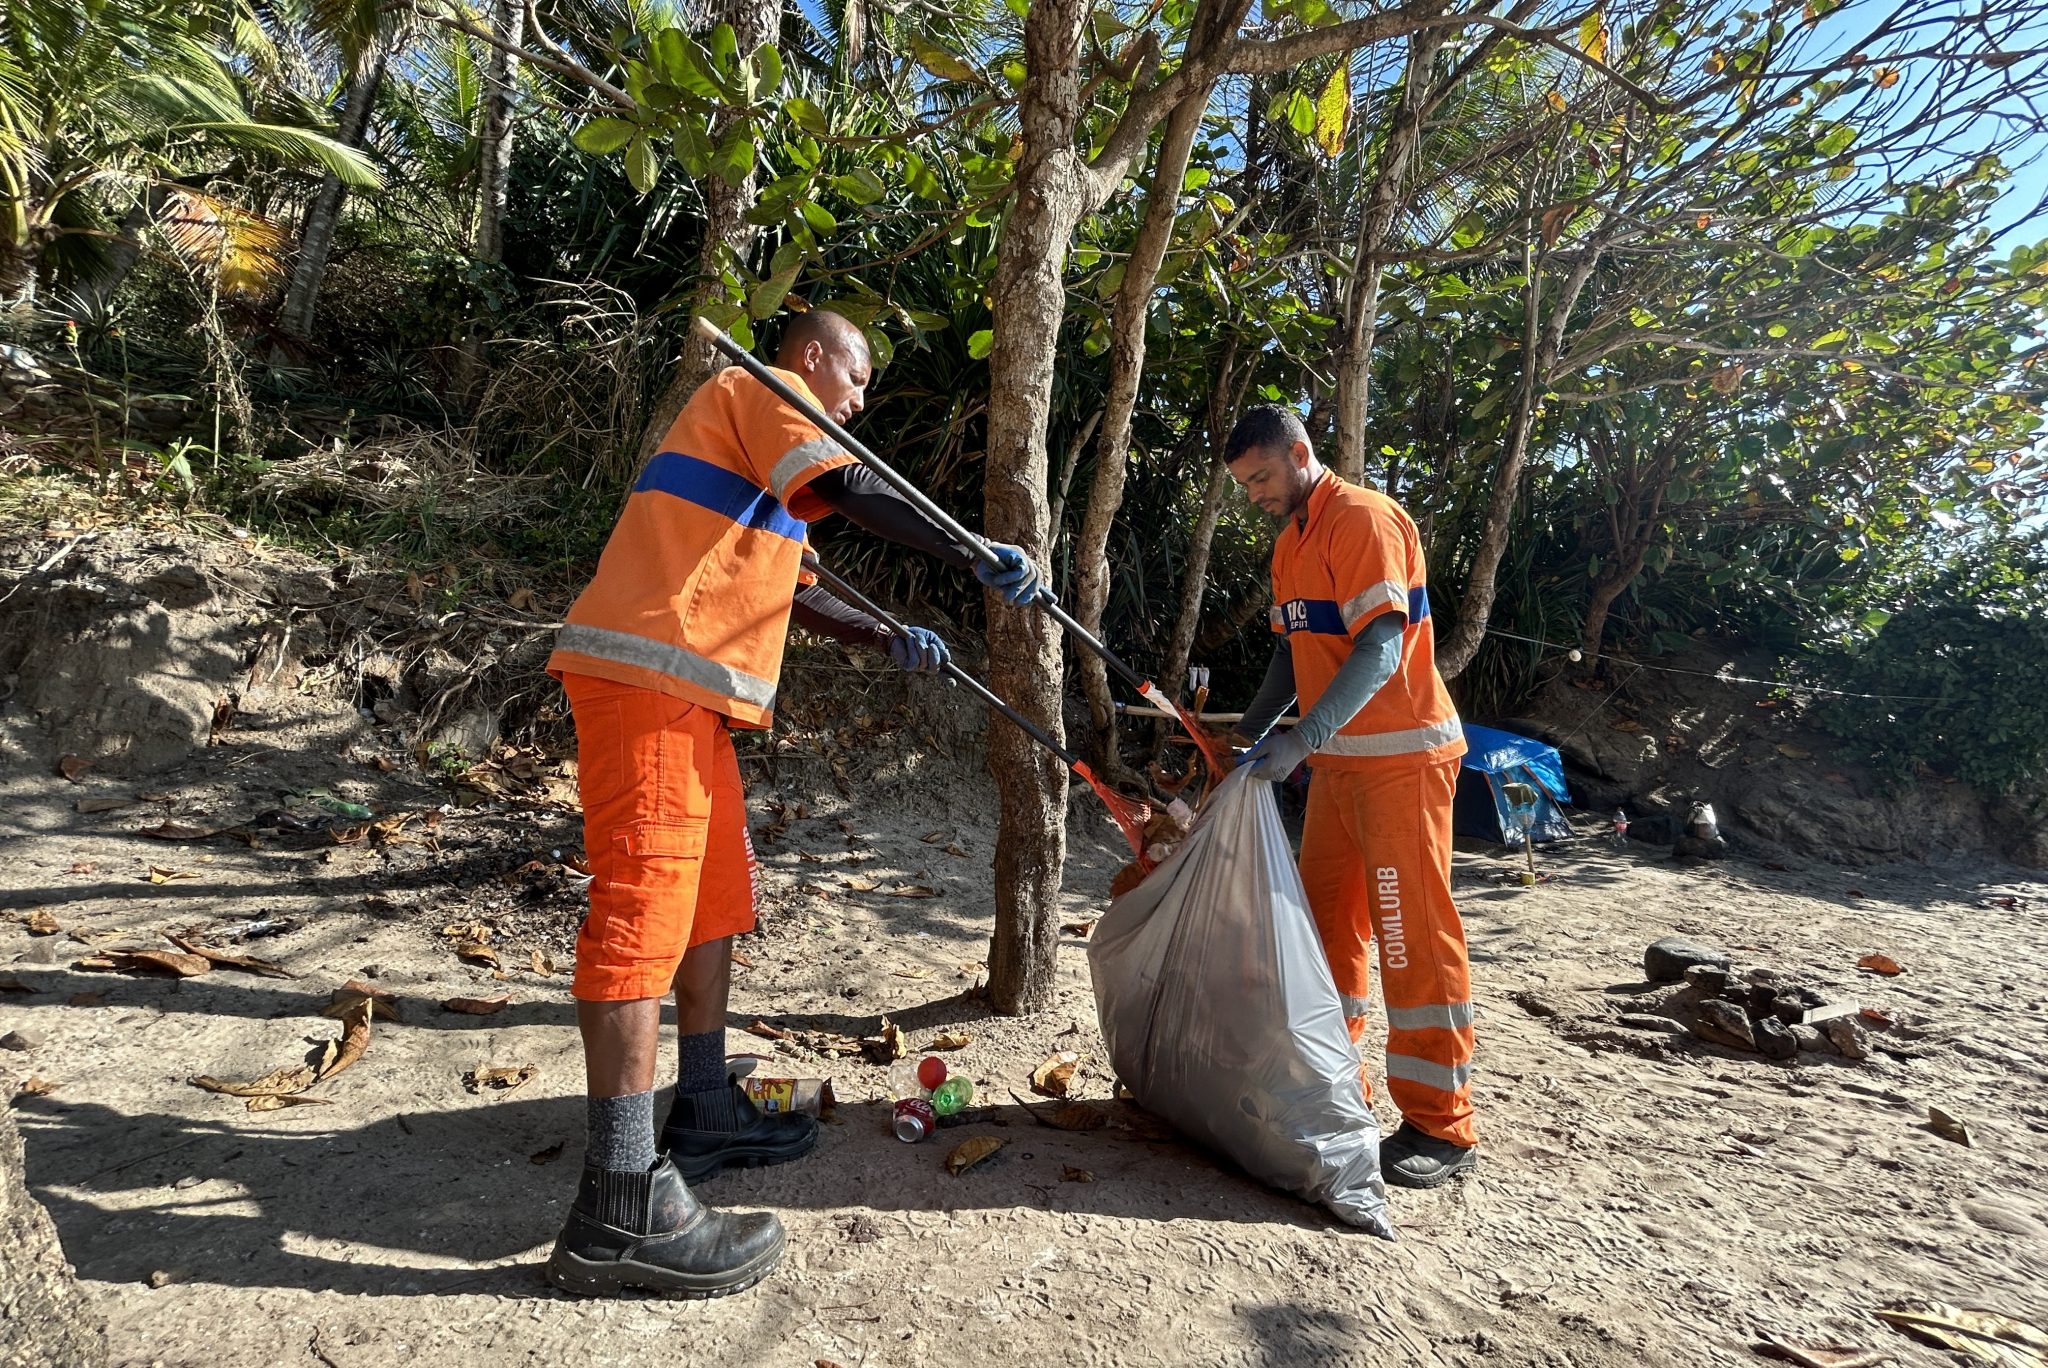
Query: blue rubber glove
(1277, 756)
(1015, 577)
(921, 652)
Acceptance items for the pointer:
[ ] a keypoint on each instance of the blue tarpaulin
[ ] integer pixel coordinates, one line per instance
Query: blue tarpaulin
(1498, 758)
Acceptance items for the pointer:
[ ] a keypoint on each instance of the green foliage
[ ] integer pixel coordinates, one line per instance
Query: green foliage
(1971, 639)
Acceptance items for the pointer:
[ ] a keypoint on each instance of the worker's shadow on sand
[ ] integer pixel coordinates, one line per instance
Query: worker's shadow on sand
(295, 1200)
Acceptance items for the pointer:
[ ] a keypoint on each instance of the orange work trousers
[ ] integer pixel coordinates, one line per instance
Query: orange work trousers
(1376, 860)
(665, 831)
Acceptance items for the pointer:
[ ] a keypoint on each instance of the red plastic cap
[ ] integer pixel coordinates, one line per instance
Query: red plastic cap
(931, 1071)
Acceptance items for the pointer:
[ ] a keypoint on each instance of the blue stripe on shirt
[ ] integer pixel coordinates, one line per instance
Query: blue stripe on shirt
(724, 492)
(1418, 604)
(1321, 616)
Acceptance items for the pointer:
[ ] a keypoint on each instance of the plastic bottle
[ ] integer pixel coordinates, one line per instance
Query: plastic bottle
(1619, 840)
(953, 1096)
(913, 1117)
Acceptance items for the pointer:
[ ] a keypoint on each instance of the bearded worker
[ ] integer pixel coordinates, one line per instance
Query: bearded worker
(1354, 644)
(677, 640)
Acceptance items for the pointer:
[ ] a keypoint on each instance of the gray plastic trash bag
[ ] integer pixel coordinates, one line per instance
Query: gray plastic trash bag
(1221, 1017)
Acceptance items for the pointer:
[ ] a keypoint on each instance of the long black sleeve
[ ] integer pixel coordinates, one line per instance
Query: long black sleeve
(1275, 696)
(872, 505)
(816, 610)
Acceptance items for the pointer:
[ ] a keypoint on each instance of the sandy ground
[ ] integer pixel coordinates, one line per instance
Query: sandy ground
(1641, 1201)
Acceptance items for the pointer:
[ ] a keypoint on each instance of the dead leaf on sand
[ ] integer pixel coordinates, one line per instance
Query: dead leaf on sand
(102, 804)
(345, 999)
(544, 966)
(1080, 929)
(951, 1040)
(276, 1083)
(914, 890)
(167, 962)
(887, 1045)
(470, 1006)
(163, 874)
(179, 831)
(476, 952)
(224, 960)
(1055, 1074)
(1809, 1355)
(548, 1155)
(767, 1032)
(1880, 964)
(71, 766)
(337, 1055)
(970, 1152)
(741, 960)
(498, 1078)
(1070, 1174)
(1079, 1116)
(279, 1101)
(35, 1085)
(1982, 1336)
(41, 923)
(1949, 1127)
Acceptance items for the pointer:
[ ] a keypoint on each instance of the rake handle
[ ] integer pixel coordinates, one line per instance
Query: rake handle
(754, 366)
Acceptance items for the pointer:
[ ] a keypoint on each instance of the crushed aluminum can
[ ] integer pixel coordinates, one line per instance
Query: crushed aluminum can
(790, 1096)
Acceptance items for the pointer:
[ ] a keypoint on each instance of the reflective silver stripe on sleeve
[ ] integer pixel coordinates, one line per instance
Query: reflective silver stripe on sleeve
(1448, 1016)
(1443, 1077)
(797, 460)
(1396, 742)
(1273, 616)
(662, 658)
(1353, 1006)
(1372, 596)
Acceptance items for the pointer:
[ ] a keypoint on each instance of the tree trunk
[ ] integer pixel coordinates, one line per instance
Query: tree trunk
(1383, 207)
(494, 173)
(1224, 400)
(728, 237)
(1112, 452)
(323, 215)
(1024, 646)
(1541, 338)
(123, 252)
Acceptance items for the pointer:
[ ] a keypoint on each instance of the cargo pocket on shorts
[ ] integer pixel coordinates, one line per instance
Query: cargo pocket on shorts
(655, 871)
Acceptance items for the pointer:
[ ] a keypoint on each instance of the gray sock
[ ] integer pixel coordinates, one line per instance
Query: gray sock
(621, 1133)
(700, 1063)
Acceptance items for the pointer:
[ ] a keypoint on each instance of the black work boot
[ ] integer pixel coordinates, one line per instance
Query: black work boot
(707, 1131)
(1414, 1159)
(644, 1231)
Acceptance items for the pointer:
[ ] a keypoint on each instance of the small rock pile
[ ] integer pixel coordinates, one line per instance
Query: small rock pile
(1760, 1010)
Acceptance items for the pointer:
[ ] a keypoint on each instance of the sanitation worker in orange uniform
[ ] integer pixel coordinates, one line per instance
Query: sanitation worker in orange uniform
(676, 641)
(1354, 644)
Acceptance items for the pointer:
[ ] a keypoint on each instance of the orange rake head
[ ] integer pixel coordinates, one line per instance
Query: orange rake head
(1130, 814)
(1214, 748)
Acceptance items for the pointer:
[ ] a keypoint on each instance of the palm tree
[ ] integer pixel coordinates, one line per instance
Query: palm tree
(105, 102)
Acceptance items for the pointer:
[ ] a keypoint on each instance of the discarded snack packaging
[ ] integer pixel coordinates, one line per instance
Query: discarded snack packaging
(790, 1096)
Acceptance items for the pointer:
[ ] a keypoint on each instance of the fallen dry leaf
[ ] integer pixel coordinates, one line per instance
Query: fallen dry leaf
(276, 1083)
(859, 885)
(1070, 1174)
(228, 961)
(1792, 752)
(1810, 1355)
(1078, 1116)
(914, 890)
(956, 850)
(970, 1152)
(279, 1101)
(742, 960)
(935, 837)
(502, 1078)
(1949, 1127)
(71, 766)
(1880, 964)
(767, 1032)
(1625, 724)
(178, 831)
(548, 1155)
(521, 598)
(41, 923)
(163, 874)
(476, 952)
(35, 1085)
(346, 998)
(1055, 1074)
(887, 1045)
(470, 1006)
(102, 804)
(337, 1055)
(81, 867)
(1080, 929)
(1980, 1336)
(170, 962)
(542, 964)
(1879, 1017)
(951, 1040)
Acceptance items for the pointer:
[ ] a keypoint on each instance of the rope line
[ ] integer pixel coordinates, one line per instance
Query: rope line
(1725, 678)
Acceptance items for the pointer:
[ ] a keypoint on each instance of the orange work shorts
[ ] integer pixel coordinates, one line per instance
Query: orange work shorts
(665, 830)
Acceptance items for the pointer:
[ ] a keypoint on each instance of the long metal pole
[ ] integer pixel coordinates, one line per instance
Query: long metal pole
(880, 614)
(739, 355)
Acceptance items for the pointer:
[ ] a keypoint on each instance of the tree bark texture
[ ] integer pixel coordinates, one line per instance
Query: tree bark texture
(1112, 452)
(1024, 646)
(727, 234)
(1224, 401)
(494, 171)
(323, 215)
(1383, 206)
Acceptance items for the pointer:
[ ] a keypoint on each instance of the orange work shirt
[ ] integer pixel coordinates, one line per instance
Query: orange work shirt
(692, 594)
(1353, 556)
